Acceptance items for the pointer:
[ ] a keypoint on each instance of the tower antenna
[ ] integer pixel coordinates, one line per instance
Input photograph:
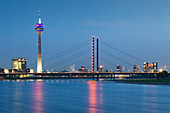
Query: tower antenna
(39, 17)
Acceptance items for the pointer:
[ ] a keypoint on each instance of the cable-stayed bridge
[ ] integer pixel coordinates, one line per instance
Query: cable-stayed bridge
(81, 55)
(84, 54)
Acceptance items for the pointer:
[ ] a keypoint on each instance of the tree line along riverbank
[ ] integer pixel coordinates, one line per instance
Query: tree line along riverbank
(163, 78)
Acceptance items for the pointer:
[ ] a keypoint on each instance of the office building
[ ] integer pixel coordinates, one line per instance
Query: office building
(119, 68)
(83, 69)
(6, 70)
(72, 68)
(19, 64)
(124, 69)
(155, 66)
(100, 68)
(30, 70)
(150, 67)
(145, 66)
(106, 70)
(136, 68)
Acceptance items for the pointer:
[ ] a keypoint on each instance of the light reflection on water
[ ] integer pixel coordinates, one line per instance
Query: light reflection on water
(95, 97)
(150, 101)
(38, 97)
(85, 96)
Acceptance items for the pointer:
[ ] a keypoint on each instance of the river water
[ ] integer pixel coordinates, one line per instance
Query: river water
(82, 96)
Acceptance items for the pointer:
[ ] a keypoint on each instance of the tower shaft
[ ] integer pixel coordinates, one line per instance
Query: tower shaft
(39, 60)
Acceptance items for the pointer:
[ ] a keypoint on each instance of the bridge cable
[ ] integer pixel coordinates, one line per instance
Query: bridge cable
(117, 57)
(127, 54)
(69, 58)
(65, 52)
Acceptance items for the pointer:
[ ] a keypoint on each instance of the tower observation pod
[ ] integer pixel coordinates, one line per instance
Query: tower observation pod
(39, 28)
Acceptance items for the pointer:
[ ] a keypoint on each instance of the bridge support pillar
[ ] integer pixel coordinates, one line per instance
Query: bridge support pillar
(114, 76)
(97, 76)
(93, 76)
(150, 76)
(131, 76)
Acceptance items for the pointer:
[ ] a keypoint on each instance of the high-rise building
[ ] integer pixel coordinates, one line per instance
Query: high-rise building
(72, 68)
(101, 68)
(119, 68)
(136, 68)
(39, 28)
(106, 70)
(155, 66)
(19, 64)
(83, 69)
(30, 70)
(124, 69)
(6, 70)
(150, 67)
(145, 66)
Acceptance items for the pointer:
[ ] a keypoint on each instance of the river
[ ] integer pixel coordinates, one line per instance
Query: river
(82, 96)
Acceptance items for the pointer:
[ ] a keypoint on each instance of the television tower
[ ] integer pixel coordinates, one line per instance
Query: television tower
(39, 28)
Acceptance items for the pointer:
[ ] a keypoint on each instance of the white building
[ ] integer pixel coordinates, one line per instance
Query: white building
(6, 70)
(72, 68)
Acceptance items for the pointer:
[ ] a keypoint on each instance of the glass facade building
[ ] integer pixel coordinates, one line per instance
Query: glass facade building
(136, 68)
(19, 64)
(155, 66)
(145, 66)
(119, 68)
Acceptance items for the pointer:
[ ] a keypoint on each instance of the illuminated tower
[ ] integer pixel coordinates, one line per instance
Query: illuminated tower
(39, 28)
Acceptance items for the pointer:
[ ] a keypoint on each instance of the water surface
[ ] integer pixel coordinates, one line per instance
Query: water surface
(82, 96)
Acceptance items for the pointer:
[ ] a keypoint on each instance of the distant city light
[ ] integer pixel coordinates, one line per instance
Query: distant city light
(101, 66)
(160, 70)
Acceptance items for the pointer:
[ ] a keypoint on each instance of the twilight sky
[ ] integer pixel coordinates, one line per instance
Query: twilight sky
(138, 27)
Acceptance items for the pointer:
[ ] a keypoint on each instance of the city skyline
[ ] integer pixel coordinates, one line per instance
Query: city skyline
(84, 56)
(143, 35)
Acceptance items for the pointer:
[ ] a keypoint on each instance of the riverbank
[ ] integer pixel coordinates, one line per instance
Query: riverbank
(146, 81)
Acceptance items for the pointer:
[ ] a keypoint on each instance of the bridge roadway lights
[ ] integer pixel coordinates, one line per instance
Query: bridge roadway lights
(131, 74)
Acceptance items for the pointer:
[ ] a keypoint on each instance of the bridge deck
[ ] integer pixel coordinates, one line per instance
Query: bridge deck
(78, 73)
